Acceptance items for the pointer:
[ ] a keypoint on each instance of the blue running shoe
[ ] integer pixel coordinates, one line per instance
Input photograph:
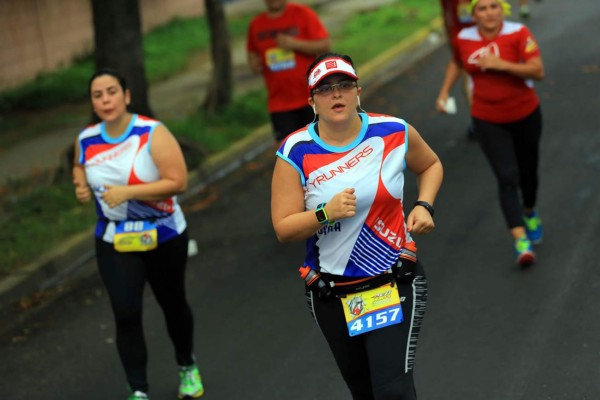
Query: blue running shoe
(533, 227)
(524, 250)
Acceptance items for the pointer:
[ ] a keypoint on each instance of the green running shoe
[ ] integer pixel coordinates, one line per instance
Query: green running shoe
(524, 250)
(191, 383)
(533, 227)
(137, 395)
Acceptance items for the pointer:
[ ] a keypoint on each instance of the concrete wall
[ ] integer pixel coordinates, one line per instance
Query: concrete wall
(42, 35)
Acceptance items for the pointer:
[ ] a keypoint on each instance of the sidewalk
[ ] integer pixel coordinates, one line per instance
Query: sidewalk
(184, 93)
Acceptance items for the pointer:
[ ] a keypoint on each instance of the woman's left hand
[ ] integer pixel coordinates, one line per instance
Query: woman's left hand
(419, 221)
(115, 195)
(490, 61)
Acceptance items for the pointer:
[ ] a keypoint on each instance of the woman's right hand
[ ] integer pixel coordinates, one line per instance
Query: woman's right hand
(83, 193)
(450, 78)
(342, 205)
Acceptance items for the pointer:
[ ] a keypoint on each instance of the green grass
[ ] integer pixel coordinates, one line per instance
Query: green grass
(367, 35)
(39, 221)
(49, 214)
(216, 132)
(167, 49)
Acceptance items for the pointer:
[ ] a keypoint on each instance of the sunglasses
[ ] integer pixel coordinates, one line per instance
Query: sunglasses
(327, 88)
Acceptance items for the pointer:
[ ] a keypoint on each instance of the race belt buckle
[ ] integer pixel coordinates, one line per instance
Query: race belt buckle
(372, 309)
(135, 236)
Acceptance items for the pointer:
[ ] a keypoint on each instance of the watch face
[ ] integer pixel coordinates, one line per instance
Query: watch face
(321, 216)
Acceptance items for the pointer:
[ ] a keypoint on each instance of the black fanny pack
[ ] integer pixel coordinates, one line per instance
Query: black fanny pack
(343, 287)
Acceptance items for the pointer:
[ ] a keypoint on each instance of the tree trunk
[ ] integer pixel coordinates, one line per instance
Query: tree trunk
(119, 45)
(220, 89)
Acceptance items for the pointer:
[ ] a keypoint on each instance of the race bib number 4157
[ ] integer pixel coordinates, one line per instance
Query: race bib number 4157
(372, 309)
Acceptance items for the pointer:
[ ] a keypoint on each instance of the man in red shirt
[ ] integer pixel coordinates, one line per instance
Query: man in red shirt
(282, 42)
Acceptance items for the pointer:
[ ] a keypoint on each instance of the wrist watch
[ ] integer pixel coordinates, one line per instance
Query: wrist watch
(321, 214)
(425, 204)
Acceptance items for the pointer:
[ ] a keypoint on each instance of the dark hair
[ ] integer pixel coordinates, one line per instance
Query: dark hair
(110, 72)
(324, 56)
(100, 72)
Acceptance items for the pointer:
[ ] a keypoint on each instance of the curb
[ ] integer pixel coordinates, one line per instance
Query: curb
(55, 267)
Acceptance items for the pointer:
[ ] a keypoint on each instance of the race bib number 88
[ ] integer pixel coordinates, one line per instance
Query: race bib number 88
(135, 236)
(372, 309)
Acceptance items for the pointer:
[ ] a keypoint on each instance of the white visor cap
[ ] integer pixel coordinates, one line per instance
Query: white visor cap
(328, 67)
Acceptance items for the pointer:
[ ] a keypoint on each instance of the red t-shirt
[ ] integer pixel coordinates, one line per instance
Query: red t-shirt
(456, 16)
(498, 97)
(284, 71)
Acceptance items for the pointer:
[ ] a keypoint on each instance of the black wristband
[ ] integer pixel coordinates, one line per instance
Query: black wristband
(425, 204)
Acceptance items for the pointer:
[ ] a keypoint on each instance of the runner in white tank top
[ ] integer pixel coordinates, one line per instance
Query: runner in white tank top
(338, 184)
(133, 168)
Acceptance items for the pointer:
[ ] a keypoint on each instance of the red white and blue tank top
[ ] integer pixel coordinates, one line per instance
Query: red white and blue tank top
(369, 243)
(126, 160)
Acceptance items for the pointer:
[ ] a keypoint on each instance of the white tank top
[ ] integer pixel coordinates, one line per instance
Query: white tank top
(126, 160)
(368, 243)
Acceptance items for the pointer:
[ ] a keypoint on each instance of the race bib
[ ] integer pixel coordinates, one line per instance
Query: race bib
(372, 309)
(135, 236)
(278, 59)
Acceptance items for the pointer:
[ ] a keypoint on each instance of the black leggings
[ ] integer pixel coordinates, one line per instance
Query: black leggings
(513, 153)
(377, 365)
(125, 275)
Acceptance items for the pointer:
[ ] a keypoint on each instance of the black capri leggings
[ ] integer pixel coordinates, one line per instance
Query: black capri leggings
(513, 153)
(377, 365)
(125, 276)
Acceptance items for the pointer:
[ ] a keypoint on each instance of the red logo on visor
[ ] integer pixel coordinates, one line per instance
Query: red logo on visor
(331, 64)
(316, 73)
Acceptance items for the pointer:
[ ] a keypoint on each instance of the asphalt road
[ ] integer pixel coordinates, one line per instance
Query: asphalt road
(491, 331)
